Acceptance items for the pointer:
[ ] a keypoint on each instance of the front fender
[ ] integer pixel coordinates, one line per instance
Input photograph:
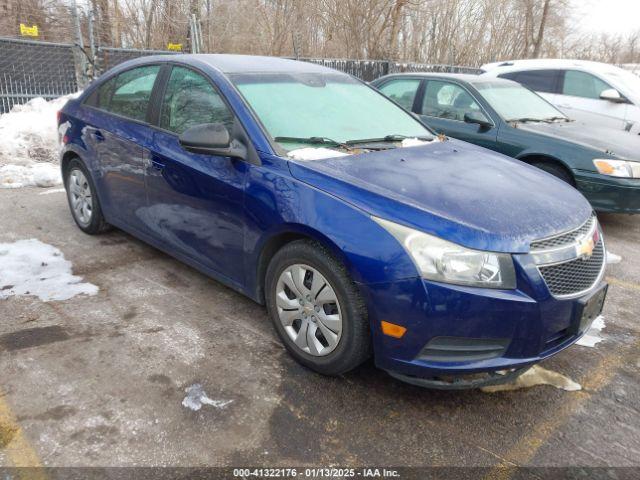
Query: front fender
(276, 203)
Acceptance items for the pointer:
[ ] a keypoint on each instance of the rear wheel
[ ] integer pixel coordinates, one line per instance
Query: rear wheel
(83, 200)
(316, 309)
(555, 170)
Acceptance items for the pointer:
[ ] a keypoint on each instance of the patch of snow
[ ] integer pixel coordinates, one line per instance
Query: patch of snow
(592, 337)
(196, 397)
(413, 142)
(613, 258)
(53, 190)
(30, 267)
(537, 375)
(35, 175)
(312, 153)
(29, 147)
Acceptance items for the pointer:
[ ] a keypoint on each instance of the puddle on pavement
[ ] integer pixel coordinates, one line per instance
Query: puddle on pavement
(537, 375)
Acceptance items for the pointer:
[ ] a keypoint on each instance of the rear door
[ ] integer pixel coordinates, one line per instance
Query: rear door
(580, 100)
(402, 91)
(119, 134)
(442, 105)
(195, 201)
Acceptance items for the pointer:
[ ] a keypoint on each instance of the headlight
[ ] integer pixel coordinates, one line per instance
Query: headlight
(617, 168)
(448, 262)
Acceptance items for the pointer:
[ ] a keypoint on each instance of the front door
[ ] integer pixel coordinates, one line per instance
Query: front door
(443, 107)
(580, 100)
(195, 201)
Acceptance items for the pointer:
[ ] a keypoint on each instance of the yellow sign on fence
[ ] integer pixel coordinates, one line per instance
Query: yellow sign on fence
(176, 47)
(28, 31)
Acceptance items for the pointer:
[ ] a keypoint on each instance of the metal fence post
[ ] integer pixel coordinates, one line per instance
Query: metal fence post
(80, 56)
(92, 44)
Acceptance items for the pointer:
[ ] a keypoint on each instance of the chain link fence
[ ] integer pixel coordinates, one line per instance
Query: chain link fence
(110, 57)
(30, 69)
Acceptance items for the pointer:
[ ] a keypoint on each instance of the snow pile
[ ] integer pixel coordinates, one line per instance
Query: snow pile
(312, 153)
(320, 153)
(536, 375)
(35, 175)
(30, 267)
(612, 258)
(29, 144)
(414, 142)
(196, 397)
(592, 337)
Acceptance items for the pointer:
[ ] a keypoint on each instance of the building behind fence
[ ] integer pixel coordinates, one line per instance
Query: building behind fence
(30, 69)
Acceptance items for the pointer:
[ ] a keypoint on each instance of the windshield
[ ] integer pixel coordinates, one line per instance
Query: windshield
(630, 81)
(331, 108)
(514, 102)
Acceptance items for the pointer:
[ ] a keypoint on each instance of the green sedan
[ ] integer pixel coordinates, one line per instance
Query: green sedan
(501, 115)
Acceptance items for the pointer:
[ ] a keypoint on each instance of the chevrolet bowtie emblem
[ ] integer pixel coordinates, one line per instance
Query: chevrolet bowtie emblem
(585, 246)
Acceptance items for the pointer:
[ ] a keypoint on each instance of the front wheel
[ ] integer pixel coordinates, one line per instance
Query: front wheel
(316, 309)
(555, 170)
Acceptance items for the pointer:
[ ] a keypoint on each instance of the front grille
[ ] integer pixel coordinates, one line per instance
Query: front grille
(576, 275)
(563, 238)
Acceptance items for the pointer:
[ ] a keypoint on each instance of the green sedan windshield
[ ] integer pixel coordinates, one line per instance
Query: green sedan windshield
(514, 102)
(332, 107)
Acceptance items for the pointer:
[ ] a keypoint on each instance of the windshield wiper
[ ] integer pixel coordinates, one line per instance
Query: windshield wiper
(388, 139)
(529, 119)
(313, 141)
(553, 119)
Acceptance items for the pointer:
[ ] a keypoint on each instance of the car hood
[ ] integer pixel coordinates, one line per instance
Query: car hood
(454, 190)
(606, 140)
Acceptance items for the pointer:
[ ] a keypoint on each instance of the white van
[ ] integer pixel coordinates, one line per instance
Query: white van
(586, 91)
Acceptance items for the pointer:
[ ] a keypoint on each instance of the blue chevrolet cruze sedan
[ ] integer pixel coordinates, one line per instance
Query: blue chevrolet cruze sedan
(363, 232)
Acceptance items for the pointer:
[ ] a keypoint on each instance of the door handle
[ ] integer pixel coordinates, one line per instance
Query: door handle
(97, 134)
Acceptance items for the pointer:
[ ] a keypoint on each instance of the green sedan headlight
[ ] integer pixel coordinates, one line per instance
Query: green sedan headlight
(617, 168)
(447, 262)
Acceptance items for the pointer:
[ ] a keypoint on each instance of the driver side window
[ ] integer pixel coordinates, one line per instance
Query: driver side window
(582, 84)
(447, 100)
(191, 100)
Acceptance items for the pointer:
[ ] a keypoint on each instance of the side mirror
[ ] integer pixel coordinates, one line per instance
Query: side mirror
(212, 139)
(612, 95)
(478, 118)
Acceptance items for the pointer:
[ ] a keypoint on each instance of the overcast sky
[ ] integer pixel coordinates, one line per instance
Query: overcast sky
(611, 16)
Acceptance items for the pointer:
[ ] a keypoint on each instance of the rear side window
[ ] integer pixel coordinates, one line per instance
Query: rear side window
(191, 100)
(101, 96)
(537, 80)
(132, 91)
(402, 91)
(582, 84)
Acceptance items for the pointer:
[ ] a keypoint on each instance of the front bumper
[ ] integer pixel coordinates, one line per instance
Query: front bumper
(491, 329)
(609, 194)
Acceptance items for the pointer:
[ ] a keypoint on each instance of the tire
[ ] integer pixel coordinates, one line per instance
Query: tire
(80, 188)
(555, 170)
(353, 337)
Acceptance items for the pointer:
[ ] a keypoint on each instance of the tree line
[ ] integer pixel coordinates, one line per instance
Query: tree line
(459, 32)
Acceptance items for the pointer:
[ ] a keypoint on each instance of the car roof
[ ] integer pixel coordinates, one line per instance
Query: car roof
(230, 64)
(514, 65)
(462, 77)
